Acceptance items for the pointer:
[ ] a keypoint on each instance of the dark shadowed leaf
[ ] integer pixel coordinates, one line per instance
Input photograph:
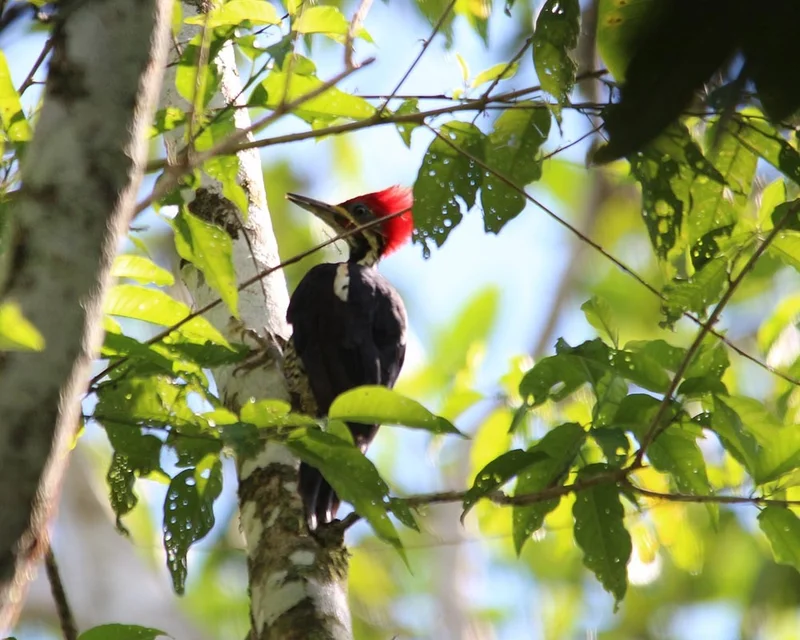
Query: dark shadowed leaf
(512, 151)
(445, 176)
(696, 294)
(555, 36)
(561, 445)
(189, 514)
(600, 532)
(499, 471)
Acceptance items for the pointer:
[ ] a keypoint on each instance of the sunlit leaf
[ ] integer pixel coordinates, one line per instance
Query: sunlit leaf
(273, 413)
(16, 332)
(598, 314)
(600, 532)
(697, 293)
(502, 70)
(760, 136)
(209, 248)
(379, 405)
(555, 36)
(235, 12)
(406, 128)
(11, 114)
(560, 445)
(512, 151)
(141, 269)
(327, 20)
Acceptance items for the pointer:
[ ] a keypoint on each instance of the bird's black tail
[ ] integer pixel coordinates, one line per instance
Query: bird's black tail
(320, 501)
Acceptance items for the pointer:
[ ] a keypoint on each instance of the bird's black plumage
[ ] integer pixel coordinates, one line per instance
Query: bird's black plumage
(349, 329)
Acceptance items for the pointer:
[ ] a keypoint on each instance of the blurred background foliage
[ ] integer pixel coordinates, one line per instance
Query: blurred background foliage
(482, 310)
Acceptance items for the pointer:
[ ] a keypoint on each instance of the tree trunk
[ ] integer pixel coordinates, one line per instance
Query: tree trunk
(80, 176)
(297, 581)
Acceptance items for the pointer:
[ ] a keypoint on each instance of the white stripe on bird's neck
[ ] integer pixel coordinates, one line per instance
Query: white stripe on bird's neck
(341, 282)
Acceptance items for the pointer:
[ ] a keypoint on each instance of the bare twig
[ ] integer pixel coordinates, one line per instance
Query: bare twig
(445, 14)
(526, 45)
(29, 80)
(65, 617)
(705, 328)
(358, 19)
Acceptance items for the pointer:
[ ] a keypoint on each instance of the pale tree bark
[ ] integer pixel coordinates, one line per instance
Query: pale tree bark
(297, 582)
(79, 180)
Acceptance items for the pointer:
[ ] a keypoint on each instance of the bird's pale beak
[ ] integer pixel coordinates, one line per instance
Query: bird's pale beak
(331, 214)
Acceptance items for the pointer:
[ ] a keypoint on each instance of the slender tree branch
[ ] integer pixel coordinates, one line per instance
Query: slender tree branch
(358, 19)
(711, 499)
(706, 326)
(65, 617)
(262, 274)
(526, 45)
(655, 425)
(445, 14)
(29, 80)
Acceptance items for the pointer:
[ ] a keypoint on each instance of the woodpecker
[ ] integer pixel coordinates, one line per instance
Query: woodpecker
(349, 323)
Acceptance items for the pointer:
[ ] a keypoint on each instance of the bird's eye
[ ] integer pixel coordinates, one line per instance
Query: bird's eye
(361, 211)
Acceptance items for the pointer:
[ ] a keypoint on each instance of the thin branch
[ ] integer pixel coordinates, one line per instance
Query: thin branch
(706, 326)
(711, 499)
(358, 19)
(29, 81)
(655, 425)
(448, 10)
(262, 274)
(65, 618)
(525, 46)
(231, 144)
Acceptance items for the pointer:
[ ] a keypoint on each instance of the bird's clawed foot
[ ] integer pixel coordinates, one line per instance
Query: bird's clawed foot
(265, 350)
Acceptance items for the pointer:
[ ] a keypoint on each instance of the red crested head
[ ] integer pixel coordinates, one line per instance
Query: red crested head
(382, 204)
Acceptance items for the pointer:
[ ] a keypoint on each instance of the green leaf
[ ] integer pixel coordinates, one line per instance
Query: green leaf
(328, 21)
(273, 414)
(676, 452)
(768, 448)
(704, 288)
(209, 248)
(352, 476)
(598, 314)
(600, 532)
(236, 12)
(499, 471)
(445, 175)
(556, 34)
(189, 514)
(326, 107)
(782, 528)
(121, 632)
(157, 307)
(511, 150)
(12, 116)
(195, 82)
(618, 24)
(561, 445)
(141, 269)
(784, 314)
(16, 332)
(502, 71)
(376, 404)
(406, 128)
(760, 136)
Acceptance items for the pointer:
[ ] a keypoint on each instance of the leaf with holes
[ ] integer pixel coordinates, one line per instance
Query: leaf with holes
(600, 532)
(561, 445)
(189, 514)
(511, 150)
(782, 528)
(352, 475)
(448, 172)
(121, 632)
(555, 36)
(209, 248)
(499, 471)
(406, 128)
(704, 288)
